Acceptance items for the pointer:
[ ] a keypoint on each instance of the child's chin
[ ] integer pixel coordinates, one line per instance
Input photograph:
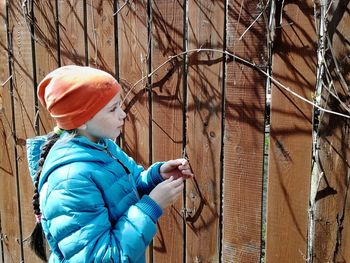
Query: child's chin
(117, 134)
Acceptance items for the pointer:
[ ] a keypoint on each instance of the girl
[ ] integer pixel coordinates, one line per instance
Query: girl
(91, 200)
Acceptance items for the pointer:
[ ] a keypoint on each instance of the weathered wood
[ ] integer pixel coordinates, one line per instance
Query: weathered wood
(10, 231)
(167, 118)
(24, 106)
(244, 134)
(46, 51)
(133, 61)
(100, 30)
(332, 228)
(204, 96)
(161, 113)
(71, 17)
(293, 64)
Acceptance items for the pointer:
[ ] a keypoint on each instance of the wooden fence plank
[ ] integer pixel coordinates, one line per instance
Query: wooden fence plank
(244, 135)
(71, 17)
(332, 227)
(293, 64)
(46, 51)
(24, 112)
(167, 118)
(205, 82)
(133, 61)
(100, 30)
(10, 231)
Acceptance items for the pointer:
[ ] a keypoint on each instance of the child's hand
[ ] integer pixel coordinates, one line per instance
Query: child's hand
(176, 168)
(166, 193)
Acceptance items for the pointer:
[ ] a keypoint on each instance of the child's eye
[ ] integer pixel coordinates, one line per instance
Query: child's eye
(117, 105)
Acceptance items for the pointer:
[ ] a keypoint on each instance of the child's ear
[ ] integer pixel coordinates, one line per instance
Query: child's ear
(83, 127)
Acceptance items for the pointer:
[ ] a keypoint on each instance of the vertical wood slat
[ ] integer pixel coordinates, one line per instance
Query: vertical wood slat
(242, 203)
(133, 61)
(290, 135)
(24, 106)
(4, 165)
(72, 44)
(332, 228)
(8, 201)
(167, 119)
(205, 81)
(100, 30)
(46, 51)
(244, 135)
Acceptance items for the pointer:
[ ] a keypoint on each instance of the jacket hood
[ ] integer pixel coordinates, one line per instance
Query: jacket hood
(66, 150)
(33, 146)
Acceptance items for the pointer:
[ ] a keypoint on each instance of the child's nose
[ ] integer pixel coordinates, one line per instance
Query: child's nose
(122, 114)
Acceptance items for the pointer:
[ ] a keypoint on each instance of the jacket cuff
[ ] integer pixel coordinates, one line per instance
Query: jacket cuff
(150, 207)
(155, 174)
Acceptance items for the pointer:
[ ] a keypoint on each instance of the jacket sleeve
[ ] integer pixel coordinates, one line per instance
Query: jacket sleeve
(145, 180)
(76, 218)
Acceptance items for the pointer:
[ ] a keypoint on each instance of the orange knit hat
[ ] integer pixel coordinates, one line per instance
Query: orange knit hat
(74, 94)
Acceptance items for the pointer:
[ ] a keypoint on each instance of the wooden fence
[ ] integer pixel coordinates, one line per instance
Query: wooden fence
(193, 76)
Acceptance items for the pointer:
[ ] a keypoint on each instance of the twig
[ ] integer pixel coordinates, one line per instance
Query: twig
(281, 14)
(94, 32)
(329, 7)
(342, 80)
(335, 96)
(306, 100)
(8, 79)
(256, 19)
(252, 64)
(126, 2)
(321, 51)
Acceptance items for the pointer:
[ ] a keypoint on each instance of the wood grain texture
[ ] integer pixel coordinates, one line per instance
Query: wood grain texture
(100, 30)
(10, 231)
(205, 82)
(46, 51)
(244, 135)
(71, 17)
(133, 61)
(332, 229)
(293, 64)
(167, 117)
(24, 107)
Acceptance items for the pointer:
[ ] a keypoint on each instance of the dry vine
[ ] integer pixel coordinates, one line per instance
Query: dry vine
(242, 60)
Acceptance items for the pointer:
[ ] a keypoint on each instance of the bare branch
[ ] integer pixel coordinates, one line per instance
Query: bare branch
(252, 64)
(126, 2)
(341, 77)
(256, 19)
(4, 83)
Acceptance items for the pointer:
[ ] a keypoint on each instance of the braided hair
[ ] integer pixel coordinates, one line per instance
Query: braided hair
(37, 243)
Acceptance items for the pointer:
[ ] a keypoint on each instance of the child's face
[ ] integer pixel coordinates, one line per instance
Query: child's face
(108, 122)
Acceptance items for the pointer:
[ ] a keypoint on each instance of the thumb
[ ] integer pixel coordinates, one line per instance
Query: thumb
(169, 180)
(174, 163)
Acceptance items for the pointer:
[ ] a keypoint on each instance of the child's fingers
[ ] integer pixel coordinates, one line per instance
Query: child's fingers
(179, 188)
(184, 162)
(184, 167)
(177, 182)
(187, 172)
(174, 163)
(169, 180)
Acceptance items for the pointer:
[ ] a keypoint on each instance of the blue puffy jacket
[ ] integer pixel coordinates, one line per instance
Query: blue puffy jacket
(94, 201)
